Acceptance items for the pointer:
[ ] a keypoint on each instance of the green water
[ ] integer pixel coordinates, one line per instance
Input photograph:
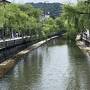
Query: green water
(53, 66)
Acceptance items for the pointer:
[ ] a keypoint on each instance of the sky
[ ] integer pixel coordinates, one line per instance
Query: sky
(50, 1)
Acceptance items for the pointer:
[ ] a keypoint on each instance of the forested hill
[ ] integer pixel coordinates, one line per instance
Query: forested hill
(53, 8)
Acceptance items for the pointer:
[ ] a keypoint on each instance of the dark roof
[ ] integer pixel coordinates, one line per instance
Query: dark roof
(4, 1)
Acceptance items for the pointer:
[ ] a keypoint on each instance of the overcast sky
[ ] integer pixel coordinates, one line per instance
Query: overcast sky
(50, 1)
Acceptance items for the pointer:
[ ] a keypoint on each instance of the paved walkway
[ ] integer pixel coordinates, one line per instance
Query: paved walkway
(11, 39)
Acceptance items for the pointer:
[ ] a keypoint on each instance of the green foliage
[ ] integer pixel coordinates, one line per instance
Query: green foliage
(50, 27)
(54, 8)
(76, 18)
(28, 9)
(19, 18)
(25, 20)
(1, 16)
(60, 25)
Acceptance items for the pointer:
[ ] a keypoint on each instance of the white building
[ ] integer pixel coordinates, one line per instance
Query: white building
(46, 16)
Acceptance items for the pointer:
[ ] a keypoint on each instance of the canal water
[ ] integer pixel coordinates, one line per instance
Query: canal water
(53, 66)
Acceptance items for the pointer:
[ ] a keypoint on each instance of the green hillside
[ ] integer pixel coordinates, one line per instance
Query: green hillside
(53, 8)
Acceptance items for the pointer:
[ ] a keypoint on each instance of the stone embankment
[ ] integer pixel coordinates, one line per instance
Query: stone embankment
(82, 46)
(7, 65)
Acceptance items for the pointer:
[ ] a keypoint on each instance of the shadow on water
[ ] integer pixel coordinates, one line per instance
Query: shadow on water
(80, 73)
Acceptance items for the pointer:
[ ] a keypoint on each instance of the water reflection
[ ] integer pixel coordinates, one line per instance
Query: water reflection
(53, 66)
(80, 73)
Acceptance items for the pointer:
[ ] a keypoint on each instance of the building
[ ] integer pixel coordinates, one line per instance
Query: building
(45, 16)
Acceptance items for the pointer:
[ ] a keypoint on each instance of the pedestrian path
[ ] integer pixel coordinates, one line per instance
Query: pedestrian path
(2, 41)
(11, 39)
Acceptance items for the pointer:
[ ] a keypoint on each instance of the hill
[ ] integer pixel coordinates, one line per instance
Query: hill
(53, 8)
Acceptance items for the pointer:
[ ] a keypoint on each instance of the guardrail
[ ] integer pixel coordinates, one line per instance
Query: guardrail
(13, 42)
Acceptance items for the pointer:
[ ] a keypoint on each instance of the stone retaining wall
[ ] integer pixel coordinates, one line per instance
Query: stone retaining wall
(6, 66)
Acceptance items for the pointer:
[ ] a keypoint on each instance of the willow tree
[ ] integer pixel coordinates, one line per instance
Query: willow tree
(84, 11)
(71, 20)
(76, 18)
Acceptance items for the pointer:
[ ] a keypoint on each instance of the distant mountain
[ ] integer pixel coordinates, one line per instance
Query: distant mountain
(53, 8)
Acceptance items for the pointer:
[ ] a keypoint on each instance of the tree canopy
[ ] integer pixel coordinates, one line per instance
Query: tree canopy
(76, 18)
(25, 20)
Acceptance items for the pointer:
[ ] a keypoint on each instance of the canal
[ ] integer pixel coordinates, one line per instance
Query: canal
(53, 66)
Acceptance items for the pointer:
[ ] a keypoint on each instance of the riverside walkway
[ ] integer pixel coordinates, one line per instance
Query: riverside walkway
(10, 40)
